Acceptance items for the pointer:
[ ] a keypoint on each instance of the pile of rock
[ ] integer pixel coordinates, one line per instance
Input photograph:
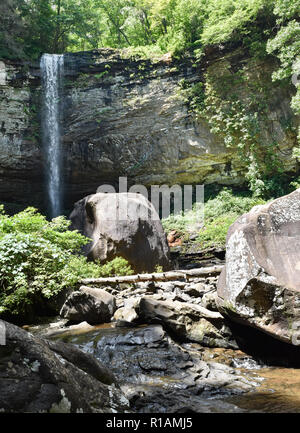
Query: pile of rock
(187, 310)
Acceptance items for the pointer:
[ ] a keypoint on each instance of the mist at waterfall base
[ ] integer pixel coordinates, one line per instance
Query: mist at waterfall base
(52, 68)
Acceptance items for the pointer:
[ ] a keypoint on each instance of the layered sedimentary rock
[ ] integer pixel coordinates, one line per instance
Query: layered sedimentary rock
(21, 160)
(123, 117)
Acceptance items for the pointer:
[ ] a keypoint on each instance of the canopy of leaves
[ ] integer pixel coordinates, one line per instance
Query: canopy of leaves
(32, 27)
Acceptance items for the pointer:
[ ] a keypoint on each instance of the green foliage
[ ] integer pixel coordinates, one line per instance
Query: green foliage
(168, 25)
(39, 258)
(286, 45)
(227, 19)
(222, 211)
(11, 30)
(31, 27)
(78, 268)
(214, 233)
(118, 266)
(219, 213)
(184, 222)
(158, 269)
(226, 202)
(32, 223)
(240, 118)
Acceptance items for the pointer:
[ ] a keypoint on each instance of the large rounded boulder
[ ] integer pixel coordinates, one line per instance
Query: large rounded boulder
(43, 376)
(124, 225)
(260, 283)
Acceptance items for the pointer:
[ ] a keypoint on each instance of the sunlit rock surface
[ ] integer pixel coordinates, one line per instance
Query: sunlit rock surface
(122, 225)
(260, 284)
(123, 117)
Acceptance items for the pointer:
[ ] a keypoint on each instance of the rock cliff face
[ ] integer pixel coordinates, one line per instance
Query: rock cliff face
(123, 117)
(21, 163)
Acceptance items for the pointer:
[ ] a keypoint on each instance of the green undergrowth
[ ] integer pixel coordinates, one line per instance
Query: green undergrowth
(40, 258)
(220, 211)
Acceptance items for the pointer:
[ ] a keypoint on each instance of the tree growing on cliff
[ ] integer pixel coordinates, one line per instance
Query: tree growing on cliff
(11, 29)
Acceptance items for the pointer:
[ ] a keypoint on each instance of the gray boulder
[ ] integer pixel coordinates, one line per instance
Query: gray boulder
(260, 283)
(89, 304)
(42, 376)
(186, 321)
(129, 314)
(124, 225)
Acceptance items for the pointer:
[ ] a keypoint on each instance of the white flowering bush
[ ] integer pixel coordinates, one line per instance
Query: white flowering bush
(39, 258)
(33, 254)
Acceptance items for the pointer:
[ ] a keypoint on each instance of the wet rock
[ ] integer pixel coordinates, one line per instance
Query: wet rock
(156, 400)
(124, 225)
(92, 305)
(39, 376)
(260, 284)
(158, 375)
(84, 361)
(187, 321)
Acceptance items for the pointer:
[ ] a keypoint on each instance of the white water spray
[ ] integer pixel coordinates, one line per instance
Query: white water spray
(52, 66)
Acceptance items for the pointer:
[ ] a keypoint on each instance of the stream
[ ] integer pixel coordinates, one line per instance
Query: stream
(158, 375)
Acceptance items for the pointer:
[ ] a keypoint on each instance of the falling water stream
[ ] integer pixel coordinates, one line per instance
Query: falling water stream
(52, 66)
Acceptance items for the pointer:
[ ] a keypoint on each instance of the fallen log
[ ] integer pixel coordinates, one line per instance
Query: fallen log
(163, 276)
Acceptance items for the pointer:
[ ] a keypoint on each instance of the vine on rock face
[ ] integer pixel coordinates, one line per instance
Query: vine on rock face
(286, 46)
(235, 105)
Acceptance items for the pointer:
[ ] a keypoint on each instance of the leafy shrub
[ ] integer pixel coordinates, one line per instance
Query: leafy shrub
(227, 202)
(214, 233)
(219, 213)
(78, 268)
(38, 259)
(117, 266)
(184, 222)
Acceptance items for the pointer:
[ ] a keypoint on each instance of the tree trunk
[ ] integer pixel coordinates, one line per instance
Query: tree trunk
(164, 276)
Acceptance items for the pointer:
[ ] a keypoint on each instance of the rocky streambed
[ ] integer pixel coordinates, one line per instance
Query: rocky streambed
(169, 350)
(158, 375)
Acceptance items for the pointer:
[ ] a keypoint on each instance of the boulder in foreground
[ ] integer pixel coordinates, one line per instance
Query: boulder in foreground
(47, 376)
(260, 283)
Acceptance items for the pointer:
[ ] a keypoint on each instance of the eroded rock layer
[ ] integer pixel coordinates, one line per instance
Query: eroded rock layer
(124, 117)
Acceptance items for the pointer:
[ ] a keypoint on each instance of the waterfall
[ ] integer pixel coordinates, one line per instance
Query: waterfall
(52, 66)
